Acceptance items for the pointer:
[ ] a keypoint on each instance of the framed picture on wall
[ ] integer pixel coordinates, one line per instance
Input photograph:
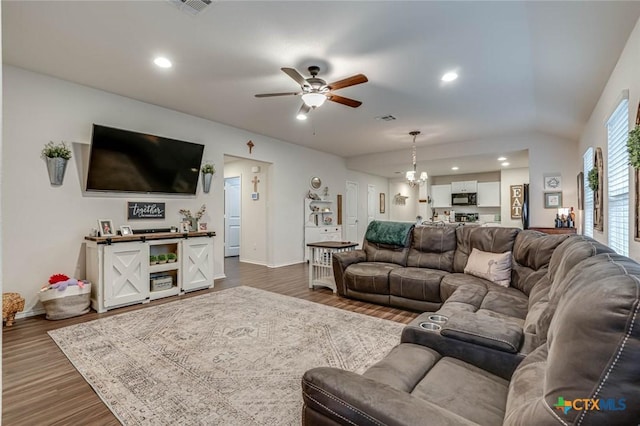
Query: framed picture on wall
(552, 200)
(552, 182)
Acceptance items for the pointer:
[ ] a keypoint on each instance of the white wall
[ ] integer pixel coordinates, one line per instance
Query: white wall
(253, 225)
(363, 180)
(44, 226)
(403, 212)
(625, 77)
(510, 177)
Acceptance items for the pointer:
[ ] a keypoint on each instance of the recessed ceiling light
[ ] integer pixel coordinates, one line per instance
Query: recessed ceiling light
(301, 116)
(450, 76)
(162, 62)
(502, 158)
(455, 168)
(505, 164)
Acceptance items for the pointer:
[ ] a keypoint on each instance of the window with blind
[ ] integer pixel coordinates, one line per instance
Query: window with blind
(587, 165)
(618, 178)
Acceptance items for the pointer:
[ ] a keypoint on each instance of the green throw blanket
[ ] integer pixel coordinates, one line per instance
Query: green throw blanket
(393, 233)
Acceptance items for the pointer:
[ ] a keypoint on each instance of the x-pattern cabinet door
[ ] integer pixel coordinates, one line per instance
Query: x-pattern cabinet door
(197, 263)
(126, 275)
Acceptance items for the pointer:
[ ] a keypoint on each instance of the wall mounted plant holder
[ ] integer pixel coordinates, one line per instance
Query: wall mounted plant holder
(206, 182)
(56, 168)
(56, 156)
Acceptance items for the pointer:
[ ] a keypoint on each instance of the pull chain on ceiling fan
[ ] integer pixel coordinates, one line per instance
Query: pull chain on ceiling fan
(315, 91)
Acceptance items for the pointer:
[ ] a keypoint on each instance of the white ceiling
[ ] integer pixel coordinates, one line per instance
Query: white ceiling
(523, 65)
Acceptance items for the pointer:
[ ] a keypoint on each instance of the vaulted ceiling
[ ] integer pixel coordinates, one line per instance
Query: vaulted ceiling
(523, 66)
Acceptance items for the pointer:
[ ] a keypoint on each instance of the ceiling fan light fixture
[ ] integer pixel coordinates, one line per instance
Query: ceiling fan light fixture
(301, 116)
(313, 99)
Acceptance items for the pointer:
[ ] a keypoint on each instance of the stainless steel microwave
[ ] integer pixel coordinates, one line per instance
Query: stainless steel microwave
(463, 199)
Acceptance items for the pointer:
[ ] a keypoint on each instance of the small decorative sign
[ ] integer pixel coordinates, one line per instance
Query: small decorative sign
(516, 201)
(142, 210)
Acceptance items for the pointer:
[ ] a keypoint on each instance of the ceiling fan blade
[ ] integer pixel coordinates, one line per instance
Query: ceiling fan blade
(344, 101)
(268, 95)
(294, 74)
(351, 81)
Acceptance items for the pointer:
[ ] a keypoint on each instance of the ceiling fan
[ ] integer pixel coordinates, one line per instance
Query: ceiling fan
(315, 91)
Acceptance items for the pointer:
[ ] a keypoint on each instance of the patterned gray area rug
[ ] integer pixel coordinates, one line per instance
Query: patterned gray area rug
(233, 357)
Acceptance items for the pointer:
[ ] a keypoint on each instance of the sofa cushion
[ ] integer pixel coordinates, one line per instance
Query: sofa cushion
(465, 390)
(507, 301)
(451, 282)
(369, 277)
(385, 253)
(571, 252)
(404, 366)
(532, 251)
(494, 267)
(416, 283)
(432, 247)
(491, 239)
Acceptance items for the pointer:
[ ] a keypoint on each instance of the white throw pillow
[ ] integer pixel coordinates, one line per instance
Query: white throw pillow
(495, 267)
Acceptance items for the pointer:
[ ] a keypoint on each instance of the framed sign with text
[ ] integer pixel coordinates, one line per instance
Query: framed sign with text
(144, 210)
(516, 200)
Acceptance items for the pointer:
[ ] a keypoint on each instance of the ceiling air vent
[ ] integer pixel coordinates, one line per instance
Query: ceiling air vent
(192, 7)
(388, 117)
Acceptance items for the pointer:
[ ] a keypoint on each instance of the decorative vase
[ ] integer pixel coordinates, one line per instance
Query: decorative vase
(56, 167)
(206, 181)
(193, 224)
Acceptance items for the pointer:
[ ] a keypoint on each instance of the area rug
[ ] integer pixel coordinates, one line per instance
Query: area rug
(233, 357)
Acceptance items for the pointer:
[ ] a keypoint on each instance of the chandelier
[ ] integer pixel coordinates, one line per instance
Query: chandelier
(412, 180)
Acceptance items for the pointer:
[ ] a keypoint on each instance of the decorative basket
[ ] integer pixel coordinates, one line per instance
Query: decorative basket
(71, 302)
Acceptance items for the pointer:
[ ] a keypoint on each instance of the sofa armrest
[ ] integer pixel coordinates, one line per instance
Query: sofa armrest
(493, 360)
(333, 396)
(484, 330)
(340, 263)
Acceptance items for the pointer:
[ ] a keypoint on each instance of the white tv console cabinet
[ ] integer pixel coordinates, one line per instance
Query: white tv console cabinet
(121, 274)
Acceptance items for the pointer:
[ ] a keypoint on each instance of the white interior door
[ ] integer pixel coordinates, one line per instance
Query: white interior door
(352, 211)
(371, 203)
(232, 216)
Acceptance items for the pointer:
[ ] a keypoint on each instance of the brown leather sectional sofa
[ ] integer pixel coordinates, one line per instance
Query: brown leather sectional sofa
(567, 329)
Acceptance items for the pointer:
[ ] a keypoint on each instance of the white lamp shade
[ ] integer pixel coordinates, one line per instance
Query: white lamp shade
(314, 99)
(411, 175)
(424, 176)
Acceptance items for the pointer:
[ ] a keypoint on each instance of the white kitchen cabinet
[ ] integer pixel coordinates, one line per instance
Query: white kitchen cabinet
(488, 194)
(441, 196)
(464, 186)
(121, 274)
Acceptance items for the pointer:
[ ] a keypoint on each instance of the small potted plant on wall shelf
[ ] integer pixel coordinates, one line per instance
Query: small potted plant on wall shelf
(592, 177)
(208, 169)
(633, 147)
(56, 156)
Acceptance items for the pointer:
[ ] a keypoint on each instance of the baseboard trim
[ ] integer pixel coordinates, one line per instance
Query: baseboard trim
(31, 313)
(253, 262)
(280, 265)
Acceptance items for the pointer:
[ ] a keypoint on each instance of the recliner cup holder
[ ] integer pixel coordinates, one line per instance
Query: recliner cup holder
(439, 319)
(430, 326)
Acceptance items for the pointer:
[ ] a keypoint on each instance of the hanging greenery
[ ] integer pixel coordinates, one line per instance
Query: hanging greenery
(633, 147)
(593, 179)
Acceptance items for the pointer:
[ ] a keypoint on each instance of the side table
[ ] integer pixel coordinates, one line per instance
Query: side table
(320, 258)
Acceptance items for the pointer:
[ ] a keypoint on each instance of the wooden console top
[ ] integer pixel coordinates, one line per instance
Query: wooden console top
(147, 237)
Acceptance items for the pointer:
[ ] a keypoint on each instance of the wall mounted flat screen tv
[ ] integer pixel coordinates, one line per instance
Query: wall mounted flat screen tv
(126, 161)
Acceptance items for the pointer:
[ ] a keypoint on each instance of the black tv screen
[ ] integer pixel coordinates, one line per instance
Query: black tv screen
(127, 161)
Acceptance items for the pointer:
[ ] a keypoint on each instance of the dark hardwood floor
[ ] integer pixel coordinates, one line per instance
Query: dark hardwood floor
(41, 387)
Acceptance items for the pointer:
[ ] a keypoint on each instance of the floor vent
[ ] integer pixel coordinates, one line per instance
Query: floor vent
(192, 7)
